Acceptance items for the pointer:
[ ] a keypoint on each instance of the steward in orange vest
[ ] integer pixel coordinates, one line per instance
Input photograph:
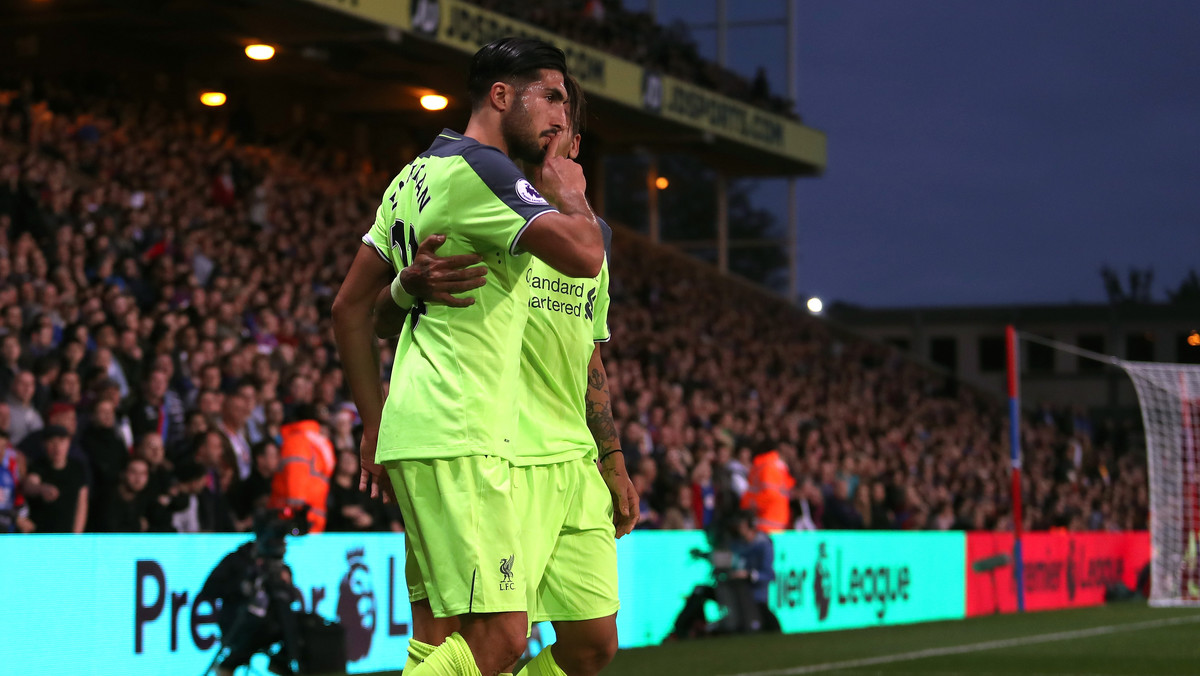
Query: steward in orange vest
(770, 486)
(306, 463)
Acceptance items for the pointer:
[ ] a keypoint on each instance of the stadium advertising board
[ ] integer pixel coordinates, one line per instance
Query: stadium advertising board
(723, 116)
(842, 580)
(466, 27)
(103, 604)
(1061, 569)
(394, 13)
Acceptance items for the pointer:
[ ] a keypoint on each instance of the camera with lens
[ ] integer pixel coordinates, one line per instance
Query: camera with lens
(724, 562)
(742, 567)
(272, 526)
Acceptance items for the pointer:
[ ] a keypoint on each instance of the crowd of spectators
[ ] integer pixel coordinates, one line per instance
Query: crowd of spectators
(165, 295)
(164, 310)
(707, 374)
(637, 37)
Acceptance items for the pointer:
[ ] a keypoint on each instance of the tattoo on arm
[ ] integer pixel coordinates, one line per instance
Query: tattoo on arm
(599, 412)
(597, 381)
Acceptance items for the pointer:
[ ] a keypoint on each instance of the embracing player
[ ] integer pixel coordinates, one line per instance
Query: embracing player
(445, 432)
(570, 512)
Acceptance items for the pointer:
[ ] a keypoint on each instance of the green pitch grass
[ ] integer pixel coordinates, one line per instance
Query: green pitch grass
(1103, 641)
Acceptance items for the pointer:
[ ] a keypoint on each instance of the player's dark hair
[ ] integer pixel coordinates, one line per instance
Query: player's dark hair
(514, 61)
(578, 104)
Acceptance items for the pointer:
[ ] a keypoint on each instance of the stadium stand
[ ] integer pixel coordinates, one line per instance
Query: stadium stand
(167, 288)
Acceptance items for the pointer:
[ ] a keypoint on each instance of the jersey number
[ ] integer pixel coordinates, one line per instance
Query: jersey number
(404, 241)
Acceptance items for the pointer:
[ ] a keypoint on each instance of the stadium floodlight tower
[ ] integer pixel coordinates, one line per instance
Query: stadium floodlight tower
(1169, 399)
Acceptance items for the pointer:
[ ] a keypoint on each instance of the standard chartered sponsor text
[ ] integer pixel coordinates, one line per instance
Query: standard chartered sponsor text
(555, 285)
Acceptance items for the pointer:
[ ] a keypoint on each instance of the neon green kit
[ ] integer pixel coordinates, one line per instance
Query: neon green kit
(449, 421)
(566, 318)
(454, 383)
(568, 539)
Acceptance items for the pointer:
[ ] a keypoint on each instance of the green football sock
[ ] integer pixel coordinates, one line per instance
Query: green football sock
(417, 652)
(452, 658)
(542, 665)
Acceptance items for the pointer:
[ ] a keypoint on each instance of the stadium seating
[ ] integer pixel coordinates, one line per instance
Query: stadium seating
(137, 240)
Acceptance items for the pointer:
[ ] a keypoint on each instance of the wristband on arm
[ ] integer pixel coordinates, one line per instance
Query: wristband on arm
(615, 450)
(401, 297)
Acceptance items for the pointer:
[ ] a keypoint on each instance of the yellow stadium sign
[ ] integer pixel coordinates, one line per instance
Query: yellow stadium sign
(394, 13)
(466, 27)
(723, 116)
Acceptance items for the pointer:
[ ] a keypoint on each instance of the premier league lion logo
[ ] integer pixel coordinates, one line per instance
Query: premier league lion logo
(356, 606)
(822, 584)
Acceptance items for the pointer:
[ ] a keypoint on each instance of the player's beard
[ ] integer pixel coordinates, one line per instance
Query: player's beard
(524, 142)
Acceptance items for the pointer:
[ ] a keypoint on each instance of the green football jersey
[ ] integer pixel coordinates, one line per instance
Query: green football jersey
(567, 317)
(455, 378)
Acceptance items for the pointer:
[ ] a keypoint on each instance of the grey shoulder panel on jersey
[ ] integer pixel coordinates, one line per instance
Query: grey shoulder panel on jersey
(496, 170)
(447, 144)
(506, 181)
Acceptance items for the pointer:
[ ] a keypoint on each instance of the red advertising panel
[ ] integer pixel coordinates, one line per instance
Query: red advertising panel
(1061, 569)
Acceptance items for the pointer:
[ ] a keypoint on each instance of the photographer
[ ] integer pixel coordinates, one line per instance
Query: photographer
(756, 555)
(252, 594)
(743, 568)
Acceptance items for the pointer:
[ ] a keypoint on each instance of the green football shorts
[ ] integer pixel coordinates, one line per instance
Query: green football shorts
(462, 534)
(568, 540)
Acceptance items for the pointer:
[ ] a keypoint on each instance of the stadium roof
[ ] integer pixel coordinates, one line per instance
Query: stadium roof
(371, 57)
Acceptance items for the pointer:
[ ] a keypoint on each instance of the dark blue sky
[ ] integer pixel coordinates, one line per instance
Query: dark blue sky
(986, 152)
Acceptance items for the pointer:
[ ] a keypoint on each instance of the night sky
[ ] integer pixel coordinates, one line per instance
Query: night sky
(985, 152)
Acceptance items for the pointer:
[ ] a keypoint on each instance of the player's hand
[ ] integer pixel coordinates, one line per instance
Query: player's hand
(558, 177)
(434, 279)
(49, 492)
(373, 479)
(625, 499)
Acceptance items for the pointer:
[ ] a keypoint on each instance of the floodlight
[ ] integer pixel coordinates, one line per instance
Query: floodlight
(260, 52)
(433, 102)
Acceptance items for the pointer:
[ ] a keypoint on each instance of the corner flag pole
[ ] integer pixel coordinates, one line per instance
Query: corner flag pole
(1014, 438)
